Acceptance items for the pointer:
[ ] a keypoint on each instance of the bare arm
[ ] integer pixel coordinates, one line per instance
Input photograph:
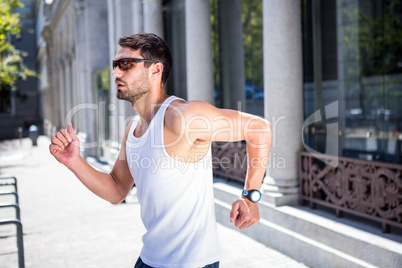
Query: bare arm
(229, 125)
(112, 187)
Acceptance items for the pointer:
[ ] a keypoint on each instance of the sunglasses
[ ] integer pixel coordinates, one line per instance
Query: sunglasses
(128, 63)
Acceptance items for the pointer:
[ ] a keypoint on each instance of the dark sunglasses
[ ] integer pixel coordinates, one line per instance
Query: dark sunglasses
(128, 63)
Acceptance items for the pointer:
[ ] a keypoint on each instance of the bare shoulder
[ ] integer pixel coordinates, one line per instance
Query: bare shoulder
(182, 112)
(189, 108)
(174, 116)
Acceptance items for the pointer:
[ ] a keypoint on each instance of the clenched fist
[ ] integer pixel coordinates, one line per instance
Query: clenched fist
(65, 146)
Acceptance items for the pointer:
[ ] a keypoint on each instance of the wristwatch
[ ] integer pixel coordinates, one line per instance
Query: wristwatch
(253, 195)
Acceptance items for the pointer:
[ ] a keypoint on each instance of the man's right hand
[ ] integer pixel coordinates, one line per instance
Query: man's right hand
(65, 146)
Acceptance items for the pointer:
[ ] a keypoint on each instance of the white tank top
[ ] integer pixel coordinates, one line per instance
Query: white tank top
(176, 198)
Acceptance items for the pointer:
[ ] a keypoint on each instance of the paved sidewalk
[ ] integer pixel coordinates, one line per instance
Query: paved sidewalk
(65, 225)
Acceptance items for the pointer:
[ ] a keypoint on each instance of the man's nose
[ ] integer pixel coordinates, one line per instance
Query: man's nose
(117, 72)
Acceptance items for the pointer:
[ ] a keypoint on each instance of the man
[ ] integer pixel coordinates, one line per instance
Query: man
(176, 194)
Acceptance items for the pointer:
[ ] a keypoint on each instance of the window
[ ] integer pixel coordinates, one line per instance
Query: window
(251, 31)
(360, 66)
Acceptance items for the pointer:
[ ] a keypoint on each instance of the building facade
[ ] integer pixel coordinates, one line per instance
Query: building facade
(73, 38)
(314, 54)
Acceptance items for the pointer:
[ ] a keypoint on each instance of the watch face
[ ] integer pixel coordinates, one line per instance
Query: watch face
(255, 196)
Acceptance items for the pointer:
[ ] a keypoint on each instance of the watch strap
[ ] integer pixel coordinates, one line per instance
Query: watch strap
(248, 193)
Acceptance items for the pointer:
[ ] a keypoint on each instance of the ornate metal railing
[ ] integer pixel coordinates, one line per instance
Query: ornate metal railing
(229, 160)
(368, 189)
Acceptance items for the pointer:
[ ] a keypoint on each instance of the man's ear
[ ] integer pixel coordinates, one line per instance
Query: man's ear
(156, 70)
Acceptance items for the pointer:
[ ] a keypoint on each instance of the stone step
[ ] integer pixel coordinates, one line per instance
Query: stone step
(315, 239)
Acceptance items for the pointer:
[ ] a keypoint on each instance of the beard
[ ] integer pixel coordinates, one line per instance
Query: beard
(131, 95)
(135, 90)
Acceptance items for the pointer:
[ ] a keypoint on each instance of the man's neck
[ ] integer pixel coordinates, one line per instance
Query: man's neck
(149, 104)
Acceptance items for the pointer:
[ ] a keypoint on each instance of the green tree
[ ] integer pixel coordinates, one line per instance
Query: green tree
(12, 65)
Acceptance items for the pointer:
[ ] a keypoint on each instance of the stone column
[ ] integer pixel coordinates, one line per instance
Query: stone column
(283, 90)
(62, 92)
(54, 85)
(83, 113)
(113, 45)
(73, 60)
(47, 34)
(74, 87)
(200, 79)
(136, 11)
(123, 9)
(232, 54)
(153, 17)
(118, 26)
(68, 89)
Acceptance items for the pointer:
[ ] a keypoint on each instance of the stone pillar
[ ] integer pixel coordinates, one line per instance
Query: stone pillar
(113, 45)
(200, 79)
(153, 17)
(136, 11)
(74, 86)
(54, 85)
(68, 60)
(123, 9)
(73, 60)
(84, 110)
(68, 89)
(47, 35)
(118, 110)
(81, 68)
(62, 92)
(232, 54)
(283, 90)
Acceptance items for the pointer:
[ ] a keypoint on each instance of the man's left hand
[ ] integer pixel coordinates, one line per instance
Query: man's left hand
(244, 213)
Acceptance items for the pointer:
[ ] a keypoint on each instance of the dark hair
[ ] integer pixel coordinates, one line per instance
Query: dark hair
(151, 47)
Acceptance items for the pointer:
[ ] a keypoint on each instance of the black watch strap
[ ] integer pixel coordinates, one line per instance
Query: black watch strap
(252, 195)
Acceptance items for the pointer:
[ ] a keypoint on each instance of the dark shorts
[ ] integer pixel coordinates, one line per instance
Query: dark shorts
(140, 264)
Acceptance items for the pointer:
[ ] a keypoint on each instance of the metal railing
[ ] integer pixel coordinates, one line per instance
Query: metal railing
(363, 188)
(17, 220)
(17, 209)
(8, 183)
(230, 160)
(12, 193)
(20, 242)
